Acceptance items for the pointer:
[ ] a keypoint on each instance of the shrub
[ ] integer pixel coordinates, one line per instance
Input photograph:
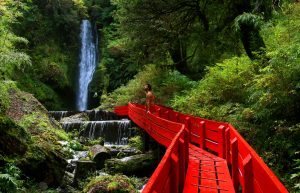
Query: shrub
(162, 82)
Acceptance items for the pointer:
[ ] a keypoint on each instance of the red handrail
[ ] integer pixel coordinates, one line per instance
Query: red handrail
(169, 176)
(175, 130)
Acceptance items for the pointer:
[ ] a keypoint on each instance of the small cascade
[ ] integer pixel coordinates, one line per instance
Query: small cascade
(113, 128)
(115, 132)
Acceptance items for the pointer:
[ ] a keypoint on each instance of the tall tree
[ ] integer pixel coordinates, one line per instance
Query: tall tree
(157, 29)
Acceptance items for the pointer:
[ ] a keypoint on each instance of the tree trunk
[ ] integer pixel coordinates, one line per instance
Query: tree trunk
(99, 154)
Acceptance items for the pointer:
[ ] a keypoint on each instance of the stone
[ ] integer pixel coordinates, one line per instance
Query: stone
(138, 165)
(76, 118)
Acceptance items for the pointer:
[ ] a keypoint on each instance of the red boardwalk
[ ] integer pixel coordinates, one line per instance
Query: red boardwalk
(187, 165)
(207, 173)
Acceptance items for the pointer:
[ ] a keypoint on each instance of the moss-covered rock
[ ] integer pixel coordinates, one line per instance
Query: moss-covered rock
(13, 138)
(28, 137)
(138, 165)
(111, 184)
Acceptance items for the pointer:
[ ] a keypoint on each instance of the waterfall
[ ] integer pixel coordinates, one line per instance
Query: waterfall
(87, 64)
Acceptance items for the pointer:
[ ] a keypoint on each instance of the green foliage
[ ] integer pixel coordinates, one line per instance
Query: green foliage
(99, 141)
(11, 58)
(75, 145)
(136, 142)
(43, 92)
(5, 86)
(162, 82)
(10, 179)
(224, 84)
(296, 176)
(247, 19)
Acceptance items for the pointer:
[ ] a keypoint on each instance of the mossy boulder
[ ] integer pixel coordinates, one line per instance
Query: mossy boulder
(110, 184)
(137, 165)
(13, 138)
(28, 137)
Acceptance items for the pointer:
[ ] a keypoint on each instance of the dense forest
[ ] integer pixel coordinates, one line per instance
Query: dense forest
(232, 60)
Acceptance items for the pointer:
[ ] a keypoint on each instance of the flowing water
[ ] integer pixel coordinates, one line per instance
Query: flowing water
(113, 128)
(115, 132)
(87, 64)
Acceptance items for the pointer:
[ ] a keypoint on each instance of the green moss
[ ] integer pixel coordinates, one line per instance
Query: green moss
(38, 122)
(14, 140)
(75, 145)
(99, 141)
(136, 142)
(61, 134)
(5, 87)
(113, 184)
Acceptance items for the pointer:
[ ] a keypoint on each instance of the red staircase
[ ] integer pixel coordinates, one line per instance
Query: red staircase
(202, 155)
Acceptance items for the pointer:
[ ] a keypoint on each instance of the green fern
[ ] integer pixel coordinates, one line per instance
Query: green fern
(8, 183)
(296, 176)
(247, 19)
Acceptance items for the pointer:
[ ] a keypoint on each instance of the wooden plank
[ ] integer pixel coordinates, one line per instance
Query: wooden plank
(189, 180)
(211, 145)
(211, 134)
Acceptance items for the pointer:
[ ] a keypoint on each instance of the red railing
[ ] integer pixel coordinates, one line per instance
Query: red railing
(169, 176)
(174, 130)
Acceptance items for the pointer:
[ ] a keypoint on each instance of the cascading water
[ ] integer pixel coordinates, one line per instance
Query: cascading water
(115, 132)
(87, 64)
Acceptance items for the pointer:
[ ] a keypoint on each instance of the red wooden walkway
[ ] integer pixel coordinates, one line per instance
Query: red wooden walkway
(202, 156)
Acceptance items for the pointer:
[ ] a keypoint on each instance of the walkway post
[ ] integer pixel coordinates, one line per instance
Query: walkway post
(227, 145)
(222, 144)
(202, 134)
(182, 161)
(188, 128)
(234, 164)
(248, 175)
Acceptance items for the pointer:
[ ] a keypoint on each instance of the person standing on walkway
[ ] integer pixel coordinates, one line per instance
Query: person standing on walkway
(150, 108)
